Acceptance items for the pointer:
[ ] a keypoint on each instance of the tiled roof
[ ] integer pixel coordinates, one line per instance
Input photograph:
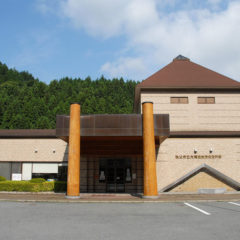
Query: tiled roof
(181, 72)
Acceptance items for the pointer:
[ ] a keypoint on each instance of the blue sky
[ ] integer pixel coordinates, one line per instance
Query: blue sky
(118, 38)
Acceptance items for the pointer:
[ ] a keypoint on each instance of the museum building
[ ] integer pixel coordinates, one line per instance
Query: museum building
(183, 137)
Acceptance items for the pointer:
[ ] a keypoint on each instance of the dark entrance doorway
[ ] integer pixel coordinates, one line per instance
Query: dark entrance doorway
(115, 172)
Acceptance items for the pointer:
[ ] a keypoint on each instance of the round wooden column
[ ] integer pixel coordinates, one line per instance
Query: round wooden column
(149, 156)
(73, 177)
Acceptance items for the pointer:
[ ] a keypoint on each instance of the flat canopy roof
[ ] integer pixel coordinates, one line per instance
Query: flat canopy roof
(112, 125)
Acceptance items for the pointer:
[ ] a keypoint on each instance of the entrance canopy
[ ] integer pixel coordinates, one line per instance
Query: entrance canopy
(107, 134)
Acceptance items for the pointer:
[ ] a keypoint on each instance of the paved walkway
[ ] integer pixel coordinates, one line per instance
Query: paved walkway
(94, 197)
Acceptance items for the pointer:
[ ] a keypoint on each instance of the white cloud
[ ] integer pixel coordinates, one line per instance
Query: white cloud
(158, 30)
(125, 67)
(103, 17)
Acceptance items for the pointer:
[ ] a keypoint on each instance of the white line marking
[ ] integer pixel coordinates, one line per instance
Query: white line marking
(237, 204)
(198, 209)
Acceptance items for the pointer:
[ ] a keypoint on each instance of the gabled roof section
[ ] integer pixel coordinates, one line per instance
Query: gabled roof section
(182, 73)
(207, 169)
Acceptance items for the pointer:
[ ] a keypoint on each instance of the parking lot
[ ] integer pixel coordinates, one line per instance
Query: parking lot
(183, 220)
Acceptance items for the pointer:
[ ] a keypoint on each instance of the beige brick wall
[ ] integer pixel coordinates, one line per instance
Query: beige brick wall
(201, 180)
(170, 169)
(224, 115)
(23, 150)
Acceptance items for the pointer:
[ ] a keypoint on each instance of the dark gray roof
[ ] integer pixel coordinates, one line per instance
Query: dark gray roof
(181, 57)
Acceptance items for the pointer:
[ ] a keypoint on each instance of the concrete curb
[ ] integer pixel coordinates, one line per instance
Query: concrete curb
(114, 198)
(32, 193)
(114, 201)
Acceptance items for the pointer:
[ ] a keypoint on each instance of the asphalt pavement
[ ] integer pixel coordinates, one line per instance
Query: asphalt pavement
(140, 221)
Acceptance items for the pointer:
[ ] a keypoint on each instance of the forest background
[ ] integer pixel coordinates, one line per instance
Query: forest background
(27, 103)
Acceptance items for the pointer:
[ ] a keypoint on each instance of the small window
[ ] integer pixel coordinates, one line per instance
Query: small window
(179, 100)
(206, 100)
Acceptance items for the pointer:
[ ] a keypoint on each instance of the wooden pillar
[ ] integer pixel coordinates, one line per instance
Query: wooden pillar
(73, 178)
(149, 156)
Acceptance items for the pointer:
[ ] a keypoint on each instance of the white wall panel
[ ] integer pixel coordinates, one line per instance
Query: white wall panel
(27, 171)
(45, 168)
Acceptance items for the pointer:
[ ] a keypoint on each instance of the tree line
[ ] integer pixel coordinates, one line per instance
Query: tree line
(27, 103)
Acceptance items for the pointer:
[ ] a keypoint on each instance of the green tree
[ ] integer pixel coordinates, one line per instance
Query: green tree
(26, 102)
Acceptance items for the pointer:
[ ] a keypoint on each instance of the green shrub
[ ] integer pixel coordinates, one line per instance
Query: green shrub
(60, 186)
(27, 186)
(24, 186)
(37, 180)
(2, 178)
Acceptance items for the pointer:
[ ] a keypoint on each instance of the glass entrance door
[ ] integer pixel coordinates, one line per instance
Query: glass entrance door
(115, 175)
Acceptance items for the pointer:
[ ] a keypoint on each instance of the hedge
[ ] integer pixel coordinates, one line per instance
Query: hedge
(37, 180)
(26, 186)
(2, 178)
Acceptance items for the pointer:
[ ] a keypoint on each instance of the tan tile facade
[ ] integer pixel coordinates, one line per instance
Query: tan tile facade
(33, 150)
(224, 115)
(176, 157)
(201, 180)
